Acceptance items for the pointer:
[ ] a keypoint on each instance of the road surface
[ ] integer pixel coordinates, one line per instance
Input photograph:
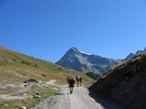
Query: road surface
(81, 98)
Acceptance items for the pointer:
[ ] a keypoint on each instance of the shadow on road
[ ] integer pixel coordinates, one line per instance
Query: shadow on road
(106, 103)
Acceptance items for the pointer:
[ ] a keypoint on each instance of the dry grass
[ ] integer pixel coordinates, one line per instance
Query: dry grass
(16, 67)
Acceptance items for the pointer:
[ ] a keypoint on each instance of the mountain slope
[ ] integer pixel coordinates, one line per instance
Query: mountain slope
(16, 67)
(85, 62)
(125, 83)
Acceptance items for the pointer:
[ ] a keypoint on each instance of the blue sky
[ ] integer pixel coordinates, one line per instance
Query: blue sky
(46, 29)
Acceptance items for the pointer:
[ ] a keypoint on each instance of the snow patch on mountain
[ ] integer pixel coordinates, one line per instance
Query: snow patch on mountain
(85, 53)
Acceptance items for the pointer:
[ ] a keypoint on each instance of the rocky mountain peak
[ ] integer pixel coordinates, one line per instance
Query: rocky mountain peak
(138, 52)
(134, 54)
(74, 49)
(85, 62)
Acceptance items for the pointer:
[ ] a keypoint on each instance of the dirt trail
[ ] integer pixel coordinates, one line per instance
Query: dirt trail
(80, 99)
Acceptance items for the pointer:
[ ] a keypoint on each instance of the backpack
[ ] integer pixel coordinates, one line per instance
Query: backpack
(71, 80)
(68, 78)
(78, 78)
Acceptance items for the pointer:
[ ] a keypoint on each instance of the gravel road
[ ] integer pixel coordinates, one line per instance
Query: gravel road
(81, 98)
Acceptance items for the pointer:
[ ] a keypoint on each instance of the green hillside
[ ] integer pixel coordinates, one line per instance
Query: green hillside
(16, 67)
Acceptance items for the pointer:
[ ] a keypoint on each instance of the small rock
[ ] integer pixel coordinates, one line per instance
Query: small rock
(5, 105)
(37, 96)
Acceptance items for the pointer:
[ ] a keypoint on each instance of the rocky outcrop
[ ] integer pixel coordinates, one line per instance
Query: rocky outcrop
(126, 83)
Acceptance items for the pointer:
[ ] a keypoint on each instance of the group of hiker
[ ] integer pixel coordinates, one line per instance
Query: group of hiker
(71, 81)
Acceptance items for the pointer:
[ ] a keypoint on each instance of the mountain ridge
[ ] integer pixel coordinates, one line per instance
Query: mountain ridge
(134, 54)
(85, 62)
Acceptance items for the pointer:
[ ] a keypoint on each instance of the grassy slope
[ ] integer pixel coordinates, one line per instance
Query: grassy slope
(16, 67)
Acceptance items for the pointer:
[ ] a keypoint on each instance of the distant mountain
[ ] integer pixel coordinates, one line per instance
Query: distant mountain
(86, 62)
(126, 83)
(131, 55)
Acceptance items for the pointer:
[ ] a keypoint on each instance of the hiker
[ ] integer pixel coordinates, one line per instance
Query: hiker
(71, 83)
(78, 80)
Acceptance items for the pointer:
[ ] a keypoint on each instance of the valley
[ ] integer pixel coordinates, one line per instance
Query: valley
(33, 83)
